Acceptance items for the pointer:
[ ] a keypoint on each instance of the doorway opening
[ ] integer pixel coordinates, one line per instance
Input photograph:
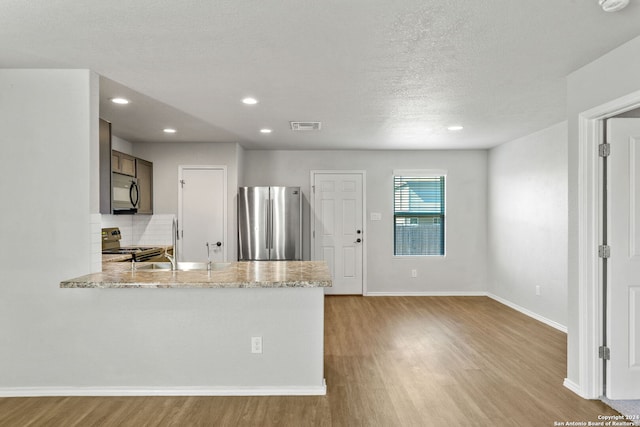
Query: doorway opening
(593, 262)
(620, 256)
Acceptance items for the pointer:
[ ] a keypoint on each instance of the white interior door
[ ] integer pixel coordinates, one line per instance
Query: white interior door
(202, 199)
(623, 368)
(337, 231)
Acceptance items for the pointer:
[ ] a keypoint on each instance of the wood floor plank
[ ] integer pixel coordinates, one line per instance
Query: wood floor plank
(389, 361)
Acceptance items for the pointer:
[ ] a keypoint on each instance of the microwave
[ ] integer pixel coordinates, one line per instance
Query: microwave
(125, 194)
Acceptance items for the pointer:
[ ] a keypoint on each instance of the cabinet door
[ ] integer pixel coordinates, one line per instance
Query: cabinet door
(115, 162)
(123, 163)
(128, 164)
(144, 173)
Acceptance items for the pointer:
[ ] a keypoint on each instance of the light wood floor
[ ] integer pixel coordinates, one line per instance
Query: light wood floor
(389, 361)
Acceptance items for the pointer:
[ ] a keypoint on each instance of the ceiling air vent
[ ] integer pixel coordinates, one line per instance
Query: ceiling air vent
(304, 126)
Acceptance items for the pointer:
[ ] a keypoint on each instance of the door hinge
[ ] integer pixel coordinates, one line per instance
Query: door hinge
(313, 187)
(604, 353)
(182, 183)
(604, 150)
(604, 251)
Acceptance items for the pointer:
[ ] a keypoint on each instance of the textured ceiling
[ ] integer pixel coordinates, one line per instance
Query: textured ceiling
(379, 74)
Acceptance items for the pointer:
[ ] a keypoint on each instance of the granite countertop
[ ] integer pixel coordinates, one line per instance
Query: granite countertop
(246, 274)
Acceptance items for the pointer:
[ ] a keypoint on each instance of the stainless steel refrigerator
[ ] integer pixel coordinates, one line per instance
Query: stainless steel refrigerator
(269, 223)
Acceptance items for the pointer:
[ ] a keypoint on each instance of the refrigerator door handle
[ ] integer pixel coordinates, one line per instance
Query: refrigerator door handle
(266, 224)
(270, 224)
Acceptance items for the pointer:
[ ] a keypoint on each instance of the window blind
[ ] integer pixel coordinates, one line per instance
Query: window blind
(419, 208)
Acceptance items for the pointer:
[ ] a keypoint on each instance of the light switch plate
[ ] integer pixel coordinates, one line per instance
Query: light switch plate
(376, 216)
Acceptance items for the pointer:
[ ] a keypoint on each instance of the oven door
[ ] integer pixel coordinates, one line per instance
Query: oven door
(124, 194)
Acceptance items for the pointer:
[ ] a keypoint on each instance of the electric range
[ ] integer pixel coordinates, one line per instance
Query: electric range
(111, 245)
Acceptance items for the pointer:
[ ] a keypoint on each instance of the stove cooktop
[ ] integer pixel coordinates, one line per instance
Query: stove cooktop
(129, 250)
(111, 246)
(137, 253)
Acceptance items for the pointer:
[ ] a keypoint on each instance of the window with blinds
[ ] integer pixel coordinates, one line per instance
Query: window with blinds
(418, 212)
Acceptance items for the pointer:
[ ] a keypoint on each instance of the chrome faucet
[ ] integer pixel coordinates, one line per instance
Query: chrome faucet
(173, 259)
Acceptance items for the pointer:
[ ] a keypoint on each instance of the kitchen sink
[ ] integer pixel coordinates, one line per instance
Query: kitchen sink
(183, 266)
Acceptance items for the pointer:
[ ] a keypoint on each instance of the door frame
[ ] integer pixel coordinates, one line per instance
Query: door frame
(590, 281)
(225, 231)
(312, 210)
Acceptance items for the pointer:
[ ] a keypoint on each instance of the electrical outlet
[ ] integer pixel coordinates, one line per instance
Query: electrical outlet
(537, 289)
(414, 273)
(256, 344)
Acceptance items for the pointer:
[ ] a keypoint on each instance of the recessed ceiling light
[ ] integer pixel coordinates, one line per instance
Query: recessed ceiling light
(454, 128)
(265, 130)
(250, 101)
(121, 101)
(169, 130)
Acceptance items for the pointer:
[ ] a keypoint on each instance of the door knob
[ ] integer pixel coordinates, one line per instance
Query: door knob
(358, 240)
(218, 244)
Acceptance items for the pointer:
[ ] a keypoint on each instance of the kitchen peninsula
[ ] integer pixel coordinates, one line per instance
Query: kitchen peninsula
(243, 328)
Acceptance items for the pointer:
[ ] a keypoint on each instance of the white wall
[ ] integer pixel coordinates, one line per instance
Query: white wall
(463, 270)
(121, 145)
(63, 340)
(240, 162)
(48, 138)
(48, 132)
(610, 77)
(527, 222)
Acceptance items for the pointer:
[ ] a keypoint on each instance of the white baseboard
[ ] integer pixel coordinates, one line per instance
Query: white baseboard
(163, 391)
(428, 294)
(574, 388)
(529, 313)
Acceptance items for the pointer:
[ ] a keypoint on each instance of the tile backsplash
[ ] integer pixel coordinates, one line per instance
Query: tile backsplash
(141, 230)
